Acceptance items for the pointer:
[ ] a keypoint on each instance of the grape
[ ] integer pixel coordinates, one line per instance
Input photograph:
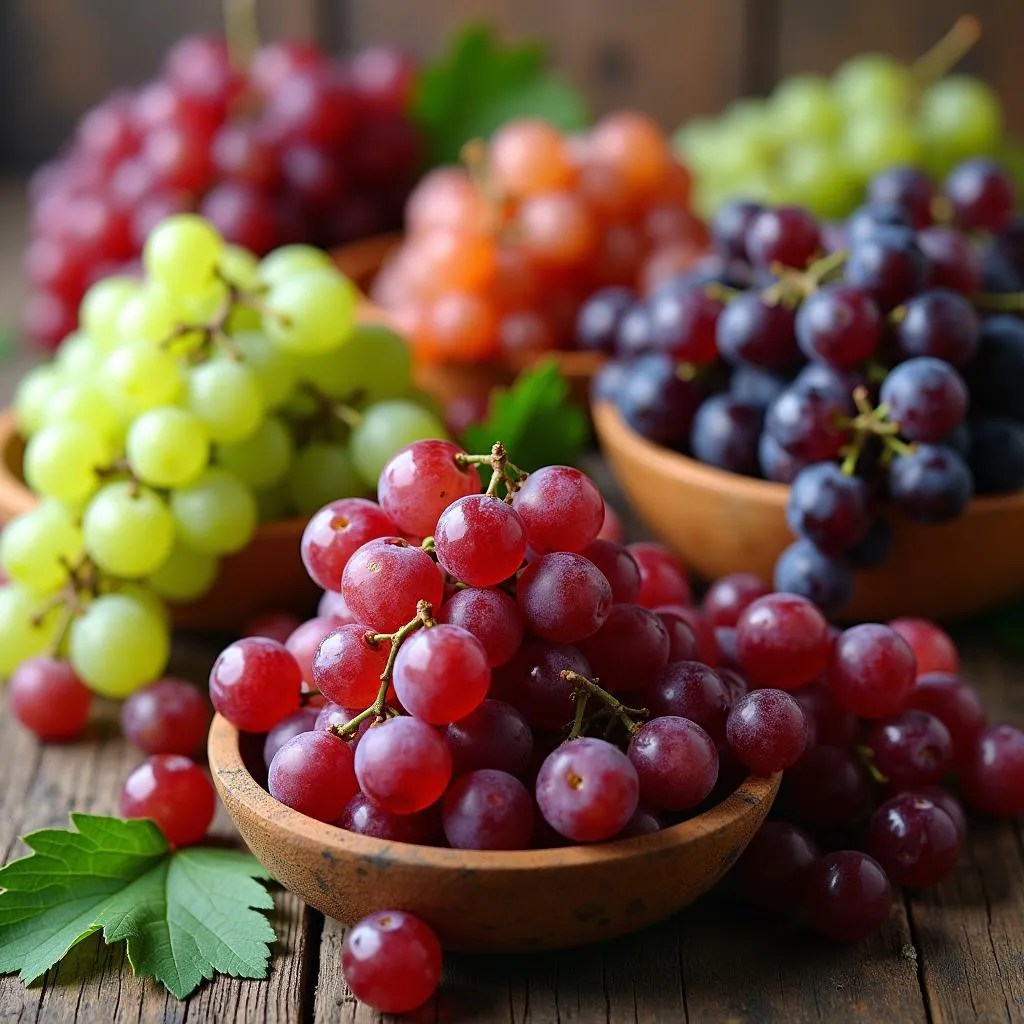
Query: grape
(911, 749)
(617, 566)
(754, 332)
(914, 841)
(182, 253)
(996, 456)
(173, 792)
(629, 650)
(828, 507)
(226, 398)
(533, 684)
(599, 319)
(494, 736)
(675, 761)
(421, 481)
(772, 872)
(61, 461)
(263, 458)
(933, 648)
(847, 896)
(828, 786)
(839, 325)
(926, 396)
(310, 311)
(725, 434)
(871, 670)
(168, 717)
(385, 429)
(403, 764)
(997, 364)
(128, 530)
(101, 306)
(992, 775)
(313, 774)
(808, 422)
(151, 315)
(682, 639)
(348, 666)
(392, 961)
(274, 625)
(655, 402)
(767, 730)
(38, 547)
(301, 721)
(776, 463)
(320, 473)
(141, 376)
(729, 227)
(888, 265)
(528, 156)
(632, 145)
(945, 801)
(26, 628)
(782, 641)
(46, 696)
(304, 642)
(865, 220)
(908, 188)
(787, 235)
(729, 595)
(32, 395)
(683, 323)
(215, 514)
(336, 532)
(662, 576)
(982, 195)
(930, 484)
(830, 724)
(952, 262)
(84, 401)
(645, 822)
(122, 623)
(587, 790)
(488, 810)
(254, 683)
(362, 816)
(877, 139)
(385, 579)
(275, 371)
(941, 324)
(184, 575)
(442, 674)
(491, 616)
(560, 508)
(480, 540)
(167, 447)
(691, 690)
(635, 335)
(563, 597)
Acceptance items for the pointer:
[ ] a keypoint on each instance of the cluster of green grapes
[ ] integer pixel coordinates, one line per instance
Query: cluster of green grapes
(817, 142)
(217, 392)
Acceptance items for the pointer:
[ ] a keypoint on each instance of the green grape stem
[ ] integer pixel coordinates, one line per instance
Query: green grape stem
(241, 29)
(581, 709)
(379, 709)
(586, 688)
(793, 286)
(869, 422)
(947, 52)
(502, 471)
(1009, 301)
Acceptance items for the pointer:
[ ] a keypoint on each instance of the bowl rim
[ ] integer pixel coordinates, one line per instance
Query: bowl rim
(227, 765)
(609, 421)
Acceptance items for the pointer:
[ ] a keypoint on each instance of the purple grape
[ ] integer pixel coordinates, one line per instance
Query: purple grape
(599, 319)
(839, 325)
(655, 402)
(996, 456)
(939, 323)
(730, 225)
(908, 188)
(754, 332)
(926, 397)
(914, 840)
(888, 264)
(931, 484)
(829, 507)
(725, 434)
(805, 569)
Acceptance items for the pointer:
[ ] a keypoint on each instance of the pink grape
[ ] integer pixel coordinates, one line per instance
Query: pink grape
(331, 715)
(336, 532)
(561, 509)
(662, 576)
(347, 666)
(48, 698)
(488, 810)
(170, 716)
(933, 648)
(767, 730)
(303, 720)
(362, 816)
(495, 735)
(676, 763)
(313, 774)
(175, 793)
(871, 670)
(564, 597)
(491, 616)
(992, 775)
(305, 642)
(254, 683)
(611, 527)
(403, 764)
(728, 596)
(332, 605)
(645, 821)
(480, 540)
(782, 641)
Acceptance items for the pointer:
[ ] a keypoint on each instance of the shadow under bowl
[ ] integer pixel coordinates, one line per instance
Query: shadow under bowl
(487, 901)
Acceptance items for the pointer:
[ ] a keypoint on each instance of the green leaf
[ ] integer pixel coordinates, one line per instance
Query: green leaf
(479, 84)
(185, 915)
(534, 419)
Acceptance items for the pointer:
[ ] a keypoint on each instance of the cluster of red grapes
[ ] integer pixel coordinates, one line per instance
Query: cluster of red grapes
(296, 147)
(842, 359)
(500, 254)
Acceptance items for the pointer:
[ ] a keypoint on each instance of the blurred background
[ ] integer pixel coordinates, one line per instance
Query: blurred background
(676, 59)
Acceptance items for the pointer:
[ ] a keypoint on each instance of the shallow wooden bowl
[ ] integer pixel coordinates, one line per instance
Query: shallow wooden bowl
(720, 522)
(267, 576)
(448, 381)
(487, 901)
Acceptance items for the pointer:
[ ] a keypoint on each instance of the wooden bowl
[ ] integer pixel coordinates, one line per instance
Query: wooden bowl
(448, 381)
(487, 901)
(267, 576)
(720, 522)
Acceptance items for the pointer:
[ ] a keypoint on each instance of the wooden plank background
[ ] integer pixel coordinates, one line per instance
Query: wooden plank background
(674, 58)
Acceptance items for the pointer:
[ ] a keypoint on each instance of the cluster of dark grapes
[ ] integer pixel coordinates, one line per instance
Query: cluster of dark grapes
(297, 147)
(876, 359)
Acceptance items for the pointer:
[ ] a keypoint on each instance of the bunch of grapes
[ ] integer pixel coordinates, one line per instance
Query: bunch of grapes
(218, 391)
(295, 147)
(500, 254)
(818, 142)
(849, 376)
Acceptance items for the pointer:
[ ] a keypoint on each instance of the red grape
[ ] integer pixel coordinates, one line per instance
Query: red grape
(532, 683)
(303, 720)
(730, 594)
(645, 822)
(336, 532)
(831, 725)
(488, 810)
(911, 749)
(914, 840)
(847, 896)
(273, 625)
(992, 775)
(662, 576)
(933, 648)
(782, 641)
(403, 764)
(175, 793)
(786, 234)
(618, 567)
(170, 716)
(561, 509)
(495, 735)
(611, 525)
(682, 640)
(953, 703)
(254, 683)
(828, 786)
(480, 540)
(767, 730)
(46, 696)
(362, 816)
(313, 774)
(689, 689)
(982, 195)
(491, 616)
(772, 872)
(629, 650)
(305, 642)
(871, 670)
(347, 666)
(926, 397)
(676, 763)
(564, 597)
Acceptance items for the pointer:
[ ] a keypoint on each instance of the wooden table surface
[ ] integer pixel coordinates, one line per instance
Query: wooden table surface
(954, 953)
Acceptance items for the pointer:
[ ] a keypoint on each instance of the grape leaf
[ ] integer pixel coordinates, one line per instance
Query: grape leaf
(479, 84)
(185, 915)
(534, 420)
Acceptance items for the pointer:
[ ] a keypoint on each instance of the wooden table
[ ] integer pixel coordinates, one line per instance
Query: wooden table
(955, 953)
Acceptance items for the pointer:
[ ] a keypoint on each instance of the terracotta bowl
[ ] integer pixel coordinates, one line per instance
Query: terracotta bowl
(448, 381)
(487, 901)
(720, 522)
(267, 576)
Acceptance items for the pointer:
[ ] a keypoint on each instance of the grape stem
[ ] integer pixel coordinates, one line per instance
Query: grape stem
(585, 687)
(869, 422)
(242, 31)
(581, 709)
(502, 471)
(378, 709)
(948, 51)
(867, 758)
(1010, 301)
(793, 286)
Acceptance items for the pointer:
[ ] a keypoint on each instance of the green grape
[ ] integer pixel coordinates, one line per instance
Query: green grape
(243, 318)
(320, 474)
(262, 459)
(33, 394)
(311, 312)
(817, 177)
(275, 503)
(139, 590)
(85, 400)
(873, 83)
(61, 461)
(215, 514)
(25, 628)
(873, 142)
(151, 314)
(185, 574)
(697, 143)
(289, 260)
(240, 267)
(78, 353)
(960, 117)
(183, 253)
(804, 108)
(167, 447)
(142, 376)
(385, 428)
(128, 529)
(101, 308)
(37, 547)
(118, 645)
(276, 371)
(1011, 156)
(225, 397)
(372, 364)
